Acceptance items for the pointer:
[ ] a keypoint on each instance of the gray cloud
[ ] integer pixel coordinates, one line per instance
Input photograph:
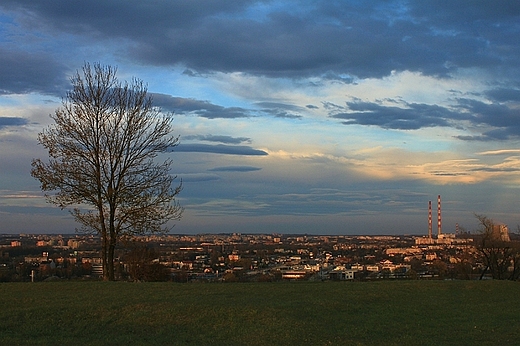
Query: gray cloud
(504, 94)
(209, 110)
(474, 138)
(340, 39)
(12, 121)
(496, 169)
(219, 149)
(198, 177)
(23, 72)
(200, 108)
(504, 120)
(280, 110)
(501, 119)
(412, 117)
(235, 169)
(448, 174)
(218, 138)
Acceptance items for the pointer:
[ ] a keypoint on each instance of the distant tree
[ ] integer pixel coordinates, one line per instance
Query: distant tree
(417, 264)
(412, 274)
(103, 149)
(4, 273)
(229, 277)
(265, 278)
(461, 270)
(499, 255)
(439, 268)
(143, 265)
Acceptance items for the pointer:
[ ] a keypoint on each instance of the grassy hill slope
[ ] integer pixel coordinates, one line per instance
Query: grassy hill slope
(299, 313)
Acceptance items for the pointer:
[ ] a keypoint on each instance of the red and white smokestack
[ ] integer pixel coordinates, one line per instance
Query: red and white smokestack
(439, 219)
(430, 219)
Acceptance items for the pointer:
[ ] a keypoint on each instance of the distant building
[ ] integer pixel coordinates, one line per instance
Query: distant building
(340, 273)
(442, 239)
(373, 268)
(294, 274)
(40, 243)
(424, 241)
(73, 243)
(406, 251)
(501, 232)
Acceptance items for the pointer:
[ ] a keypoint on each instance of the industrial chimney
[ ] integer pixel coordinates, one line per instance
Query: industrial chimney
(429, 219)
(439, 219)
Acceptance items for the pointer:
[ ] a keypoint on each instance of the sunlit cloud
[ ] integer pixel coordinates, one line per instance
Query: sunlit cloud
(500, 152)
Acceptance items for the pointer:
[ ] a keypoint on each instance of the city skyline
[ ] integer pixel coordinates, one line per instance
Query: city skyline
(294, 117)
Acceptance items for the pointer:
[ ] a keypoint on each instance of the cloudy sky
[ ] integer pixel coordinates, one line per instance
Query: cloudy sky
(323, 117)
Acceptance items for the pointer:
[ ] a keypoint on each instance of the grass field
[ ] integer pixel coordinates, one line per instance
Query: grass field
(298, 313)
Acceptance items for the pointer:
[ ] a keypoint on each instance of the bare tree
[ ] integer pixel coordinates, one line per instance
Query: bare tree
(103, 160)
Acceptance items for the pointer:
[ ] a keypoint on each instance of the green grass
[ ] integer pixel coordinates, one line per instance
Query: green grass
(300, 313)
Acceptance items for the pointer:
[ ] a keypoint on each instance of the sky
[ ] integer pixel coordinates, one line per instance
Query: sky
(302, 117)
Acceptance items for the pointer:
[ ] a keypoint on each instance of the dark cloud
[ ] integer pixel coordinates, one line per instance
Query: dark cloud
(486, 33)
(278, 105)
(445, 12)
(334, 108)
(7, 121)
(23, 72)
(504, 95)
(198, 177)
(496, 169)
(331, 76)
(341, 40)
(200, 108)
(235, 169)
(480, 138)
(280, 110)
(217, 138)
(503, 119)
(412, 116)
(503, 134)
(449, 174)
(219, 149)
(206, 109)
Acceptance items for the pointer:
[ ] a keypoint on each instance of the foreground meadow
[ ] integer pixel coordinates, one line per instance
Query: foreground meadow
(296, 313)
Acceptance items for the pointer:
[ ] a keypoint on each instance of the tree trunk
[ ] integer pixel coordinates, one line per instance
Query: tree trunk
(112, 241)
(110, 262)
(483, 273)
(104, 257)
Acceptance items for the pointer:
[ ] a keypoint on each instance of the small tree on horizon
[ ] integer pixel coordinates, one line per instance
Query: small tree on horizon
(103, 149)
